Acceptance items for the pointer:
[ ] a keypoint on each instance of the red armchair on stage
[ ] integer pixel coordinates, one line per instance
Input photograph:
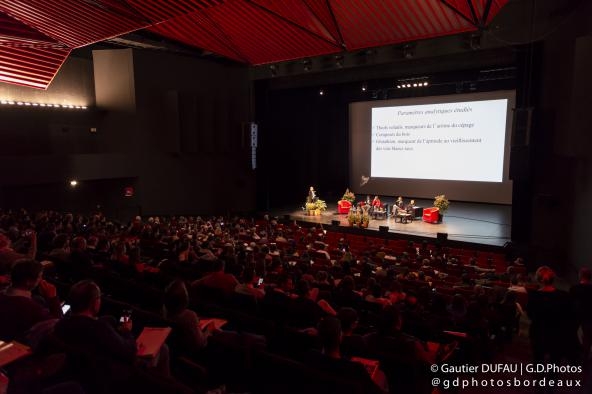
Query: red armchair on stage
(431, 215)
(343, 206)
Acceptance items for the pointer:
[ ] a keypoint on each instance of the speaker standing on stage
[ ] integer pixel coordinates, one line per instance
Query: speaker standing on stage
(312, 195)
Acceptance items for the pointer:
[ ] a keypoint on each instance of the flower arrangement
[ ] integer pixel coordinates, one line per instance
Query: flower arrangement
(442, 203)
(310, 206)
(320, 205)
(349, 196)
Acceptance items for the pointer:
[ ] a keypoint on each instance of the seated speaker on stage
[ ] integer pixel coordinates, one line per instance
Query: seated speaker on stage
(410, 209)
(376, 202)
(397, 206)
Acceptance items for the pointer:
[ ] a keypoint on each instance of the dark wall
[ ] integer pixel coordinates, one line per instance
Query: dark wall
(190, 117)
(561, 143)
(178, 144)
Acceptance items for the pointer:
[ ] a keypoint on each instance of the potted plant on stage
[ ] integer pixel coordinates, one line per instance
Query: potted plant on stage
(365, 219)
(353, 217)
(310, 208)
(442, 203)
(320, 206)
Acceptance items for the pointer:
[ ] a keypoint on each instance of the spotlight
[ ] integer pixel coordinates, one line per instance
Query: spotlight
(408, 85)
(414, 85)
(364, 87)
(73, 183)
(408, 52)
(398, 86)
(425, 84)
(321, 92)
(307, 64)
(19, 103)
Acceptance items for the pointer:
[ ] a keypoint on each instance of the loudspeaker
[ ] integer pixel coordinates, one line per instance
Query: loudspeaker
(335, 222)
(383, 229)
(442, 236)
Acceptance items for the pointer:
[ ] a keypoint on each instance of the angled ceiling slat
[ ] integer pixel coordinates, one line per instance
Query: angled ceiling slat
(197, 30)
(74, 23)
(298, 13)
(160, 11)
(15, 62)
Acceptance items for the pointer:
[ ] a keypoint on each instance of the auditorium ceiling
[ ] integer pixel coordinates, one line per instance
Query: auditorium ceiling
(36, 36)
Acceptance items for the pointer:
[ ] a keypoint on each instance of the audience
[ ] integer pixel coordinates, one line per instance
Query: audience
(417, 293)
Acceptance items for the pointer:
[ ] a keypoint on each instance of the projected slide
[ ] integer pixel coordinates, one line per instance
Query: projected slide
(457, 141)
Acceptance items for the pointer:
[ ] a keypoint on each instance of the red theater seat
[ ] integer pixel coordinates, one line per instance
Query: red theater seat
(343, 206)
(431, 215)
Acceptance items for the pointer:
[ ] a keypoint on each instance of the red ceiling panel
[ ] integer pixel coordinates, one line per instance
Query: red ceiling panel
(159, 10)
(37, 35)
(197, 29)
(298, 13)
(324, 13)
(461, 6)
(375, 23)
(262, 37)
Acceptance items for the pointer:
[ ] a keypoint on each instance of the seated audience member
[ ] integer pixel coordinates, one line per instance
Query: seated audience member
(331, 361)
(517, 285)
(60, 254)
(218, 279)
(389, 340)
(189, 339)
(101, 254)
(248, 285)
(351, 344)
(106, 352)
(120, 254)
(345, 294)
(83, 329)
(321, 250)
(375, 296)
(304, 311)
(553, 328)
(8, 256)
(582, 297)
(19, 309)
(322, 281)
(79, 257)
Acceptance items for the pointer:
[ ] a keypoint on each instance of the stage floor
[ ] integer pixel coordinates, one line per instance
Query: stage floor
(487, 224)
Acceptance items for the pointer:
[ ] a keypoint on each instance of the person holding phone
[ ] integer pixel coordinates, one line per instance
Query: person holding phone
(251, 286)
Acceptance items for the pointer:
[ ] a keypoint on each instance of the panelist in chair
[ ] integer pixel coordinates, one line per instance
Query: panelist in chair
(410, 209)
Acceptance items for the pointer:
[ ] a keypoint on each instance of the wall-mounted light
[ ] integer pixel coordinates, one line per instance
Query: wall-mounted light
(73, 183)
(418, 82)
(42, 105)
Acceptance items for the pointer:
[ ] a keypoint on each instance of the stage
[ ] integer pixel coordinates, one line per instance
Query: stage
(487, 224)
